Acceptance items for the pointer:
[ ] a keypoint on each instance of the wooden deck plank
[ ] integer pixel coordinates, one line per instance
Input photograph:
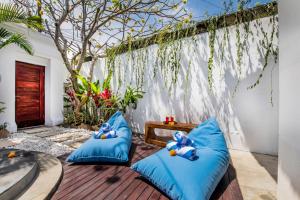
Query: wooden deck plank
(71, 185)
(155, 195)
(82, 189)
(110, 181)
(139, 190)
(162, 197)
(146, 193)
(113, 187)
(94, 185)
(112, 184)
(131, 187)
(90, 184)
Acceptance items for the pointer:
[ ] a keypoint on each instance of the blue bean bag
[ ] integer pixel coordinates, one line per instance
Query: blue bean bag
(108, 150)
(183, 179)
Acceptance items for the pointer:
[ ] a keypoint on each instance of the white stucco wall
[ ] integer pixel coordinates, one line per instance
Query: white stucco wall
(289, 101)
(55, 73)
(248, 119)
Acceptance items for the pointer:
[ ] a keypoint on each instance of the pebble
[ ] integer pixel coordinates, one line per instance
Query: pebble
(30, 142)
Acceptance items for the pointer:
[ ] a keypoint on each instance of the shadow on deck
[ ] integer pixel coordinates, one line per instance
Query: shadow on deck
(111, 181)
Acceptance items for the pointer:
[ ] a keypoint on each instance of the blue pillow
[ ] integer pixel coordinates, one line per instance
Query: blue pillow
(109, 150)
(183, 179)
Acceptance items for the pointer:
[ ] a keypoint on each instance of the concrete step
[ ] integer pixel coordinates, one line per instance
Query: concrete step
(29, 175)
(47, 181)
(16, 173)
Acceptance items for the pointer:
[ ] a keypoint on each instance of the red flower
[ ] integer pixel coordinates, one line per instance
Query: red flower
(106, 94)
(71, 94)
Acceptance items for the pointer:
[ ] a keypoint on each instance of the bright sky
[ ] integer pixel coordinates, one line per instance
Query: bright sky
(214, 7)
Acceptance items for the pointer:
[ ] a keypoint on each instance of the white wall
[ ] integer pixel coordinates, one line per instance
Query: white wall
(289, 101)
(55, 73)
(249, 121)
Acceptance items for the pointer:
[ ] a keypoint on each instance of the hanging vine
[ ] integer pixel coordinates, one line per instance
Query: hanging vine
(169, 43)
(267, 44)
(212, 27)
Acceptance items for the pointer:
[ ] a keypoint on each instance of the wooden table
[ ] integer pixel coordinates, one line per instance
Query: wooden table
(151, 138)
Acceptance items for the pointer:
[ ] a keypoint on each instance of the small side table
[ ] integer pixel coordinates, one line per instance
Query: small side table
(151, 138)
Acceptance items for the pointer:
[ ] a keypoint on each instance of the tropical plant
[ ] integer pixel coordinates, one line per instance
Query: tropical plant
(131, 97)
(97, 101)
(116, 21)
(12, 14)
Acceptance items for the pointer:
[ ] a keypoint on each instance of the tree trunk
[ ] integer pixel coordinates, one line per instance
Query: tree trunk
(74, 81)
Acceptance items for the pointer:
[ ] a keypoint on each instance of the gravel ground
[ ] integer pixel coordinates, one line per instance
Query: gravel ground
(54, 144)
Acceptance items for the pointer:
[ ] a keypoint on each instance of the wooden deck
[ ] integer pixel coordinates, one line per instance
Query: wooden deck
(110, 181)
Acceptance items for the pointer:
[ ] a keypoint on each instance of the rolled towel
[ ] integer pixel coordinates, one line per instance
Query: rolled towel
(187, 152)
(182, 139)
(105, 131)
(172, 145)
(96, 134)
(110, 134)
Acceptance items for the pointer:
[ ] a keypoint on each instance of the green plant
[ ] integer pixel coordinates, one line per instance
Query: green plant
(131, 97)
(169, 42)
(212, 26)
(97, 101)
(14, 14)
(2, 108)
(3, 126)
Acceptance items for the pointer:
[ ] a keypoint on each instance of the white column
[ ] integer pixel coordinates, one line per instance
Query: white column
(289, 100)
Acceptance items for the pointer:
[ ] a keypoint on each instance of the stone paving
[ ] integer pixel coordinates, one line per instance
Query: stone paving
(52, 140)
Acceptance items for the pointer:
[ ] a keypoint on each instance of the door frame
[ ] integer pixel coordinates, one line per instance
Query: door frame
(42, 90)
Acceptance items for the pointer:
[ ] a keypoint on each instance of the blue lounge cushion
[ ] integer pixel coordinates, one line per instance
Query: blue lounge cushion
(109, 150)
(183, 179)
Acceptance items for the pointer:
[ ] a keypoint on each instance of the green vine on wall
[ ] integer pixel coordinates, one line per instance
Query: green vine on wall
(270, 49)
(212, 28)
(169, 41)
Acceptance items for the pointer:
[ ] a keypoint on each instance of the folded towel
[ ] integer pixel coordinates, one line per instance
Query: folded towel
(108, 135)
(171, 145)
(187, 152)
(105, 132)
(182, 139)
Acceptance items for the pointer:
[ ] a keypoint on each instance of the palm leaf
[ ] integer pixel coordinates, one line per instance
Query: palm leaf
(4, 33)
(11, 13)
(14, 14)
(7, 38)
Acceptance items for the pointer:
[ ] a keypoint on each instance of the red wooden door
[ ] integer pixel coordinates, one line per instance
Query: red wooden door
(30, 94)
